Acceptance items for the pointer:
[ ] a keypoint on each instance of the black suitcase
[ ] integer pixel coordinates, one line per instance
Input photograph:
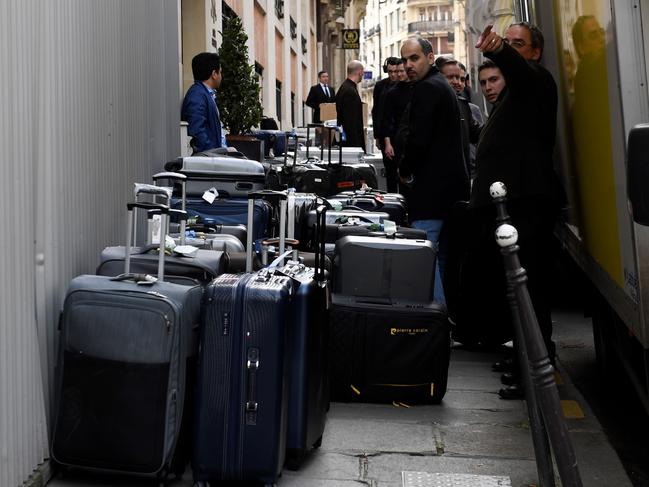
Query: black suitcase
(125, 356)
(388, 353)
(242, 386)
(368, 231)
(343, 176)
(302, 176)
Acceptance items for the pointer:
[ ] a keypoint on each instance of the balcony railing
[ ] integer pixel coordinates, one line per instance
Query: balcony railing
(430, 26)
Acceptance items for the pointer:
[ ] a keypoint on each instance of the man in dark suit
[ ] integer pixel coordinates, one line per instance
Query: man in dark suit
(433, 165)
(349, 107)
(515, 147)
(320, 93)
(199, 108)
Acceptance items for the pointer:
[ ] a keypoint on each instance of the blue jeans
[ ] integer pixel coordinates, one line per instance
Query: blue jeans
(433, 228)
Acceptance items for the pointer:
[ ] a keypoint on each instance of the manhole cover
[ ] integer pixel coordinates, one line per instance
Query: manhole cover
(424, 479)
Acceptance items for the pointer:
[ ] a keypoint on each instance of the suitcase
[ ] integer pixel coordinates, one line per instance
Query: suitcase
(394, 208)
(367, 231)
(199, 269)
(384, 353)
(232, 177)
(304, 177)
(228, 213)
(182, 236)
(382, 270)
(308, 345)
(273, 139)
(372, 191)
(343, 175)
(125, 355)
(335, 219)
(242, 386)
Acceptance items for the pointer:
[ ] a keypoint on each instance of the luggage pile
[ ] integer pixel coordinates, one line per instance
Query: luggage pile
(212, 342)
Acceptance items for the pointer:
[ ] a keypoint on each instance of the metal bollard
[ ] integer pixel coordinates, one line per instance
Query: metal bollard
(543, 396)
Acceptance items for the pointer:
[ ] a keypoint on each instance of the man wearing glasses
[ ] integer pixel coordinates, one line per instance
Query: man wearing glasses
(515, 147)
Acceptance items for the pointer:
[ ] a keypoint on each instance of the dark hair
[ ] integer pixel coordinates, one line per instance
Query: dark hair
(400, 60)
(535, 34)
(462, 66)
(442, 61)
(203, 64)
(320, 73)
(426, 46)
(392, 61)
(487, 63)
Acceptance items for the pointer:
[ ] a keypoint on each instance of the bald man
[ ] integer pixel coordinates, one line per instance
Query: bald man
(349, 107)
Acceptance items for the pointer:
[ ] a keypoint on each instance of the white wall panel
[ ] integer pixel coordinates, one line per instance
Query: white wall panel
(89, 103)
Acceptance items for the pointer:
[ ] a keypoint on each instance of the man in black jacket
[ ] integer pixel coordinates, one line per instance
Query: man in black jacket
(395, 102)
(515, 148)
(349, 107)
(380, 89)
(320, 93)
(433, 166)
(450, 69)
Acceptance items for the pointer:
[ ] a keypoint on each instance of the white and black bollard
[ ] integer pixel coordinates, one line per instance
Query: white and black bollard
(537, 373)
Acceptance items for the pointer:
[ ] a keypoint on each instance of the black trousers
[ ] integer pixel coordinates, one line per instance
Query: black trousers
(476, 285)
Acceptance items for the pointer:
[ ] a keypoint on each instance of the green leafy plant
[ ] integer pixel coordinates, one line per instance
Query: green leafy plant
(239, 103)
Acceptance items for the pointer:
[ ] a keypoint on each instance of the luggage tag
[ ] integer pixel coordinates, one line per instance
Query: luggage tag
(210, 195)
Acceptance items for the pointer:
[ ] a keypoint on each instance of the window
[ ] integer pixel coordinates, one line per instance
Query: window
(279, 9)
(422, 14)
(398, 19)
(304, 45)
(293, 27)
(259, 71)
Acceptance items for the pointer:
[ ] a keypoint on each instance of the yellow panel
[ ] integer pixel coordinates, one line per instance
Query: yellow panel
(582, 45)
(572, 409)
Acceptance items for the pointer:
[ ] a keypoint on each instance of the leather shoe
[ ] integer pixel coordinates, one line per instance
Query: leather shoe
(509, 379)
(512, 392)
(504, 365)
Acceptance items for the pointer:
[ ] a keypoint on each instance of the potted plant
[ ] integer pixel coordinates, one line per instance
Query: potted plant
(239, 103)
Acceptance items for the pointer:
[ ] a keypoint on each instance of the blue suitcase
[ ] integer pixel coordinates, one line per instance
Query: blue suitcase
(231, 211)
(242, 393)
(126, 348)
(242, 384)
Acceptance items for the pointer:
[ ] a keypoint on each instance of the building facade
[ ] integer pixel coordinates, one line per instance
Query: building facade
(289, 42)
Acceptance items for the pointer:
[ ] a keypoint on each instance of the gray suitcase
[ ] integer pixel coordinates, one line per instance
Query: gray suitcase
(231, 176)
(125, 351)
(383, 270)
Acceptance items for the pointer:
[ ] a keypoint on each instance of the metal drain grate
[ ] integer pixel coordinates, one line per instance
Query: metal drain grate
(424, 479)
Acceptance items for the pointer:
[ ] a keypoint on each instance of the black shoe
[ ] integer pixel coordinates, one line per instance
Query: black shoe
(504, 365)
(512, 392)
(509, 379)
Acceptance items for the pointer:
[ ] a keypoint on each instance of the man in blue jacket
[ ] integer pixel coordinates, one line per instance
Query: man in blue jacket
(200, 109)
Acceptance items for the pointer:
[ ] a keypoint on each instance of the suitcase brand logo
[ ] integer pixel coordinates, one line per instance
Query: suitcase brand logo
(407, 331)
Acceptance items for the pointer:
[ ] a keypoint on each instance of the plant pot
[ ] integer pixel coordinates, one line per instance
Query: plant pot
(248, 145)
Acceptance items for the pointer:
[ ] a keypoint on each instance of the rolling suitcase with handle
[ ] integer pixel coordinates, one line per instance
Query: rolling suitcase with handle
(242, 385)
(202, 267)
(125, 351)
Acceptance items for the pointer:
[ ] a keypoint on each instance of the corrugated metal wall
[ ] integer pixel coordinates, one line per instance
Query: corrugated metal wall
(89, 103)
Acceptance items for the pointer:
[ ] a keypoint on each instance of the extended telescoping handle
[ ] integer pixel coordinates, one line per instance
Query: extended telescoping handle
(321, 230)
(340, 146)
(164, 212)
(182, 179)
(288, 139)
(265, 194)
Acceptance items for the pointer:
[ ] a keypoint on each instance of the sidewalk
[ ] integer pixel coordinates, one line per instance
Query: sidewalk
(471, 432)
